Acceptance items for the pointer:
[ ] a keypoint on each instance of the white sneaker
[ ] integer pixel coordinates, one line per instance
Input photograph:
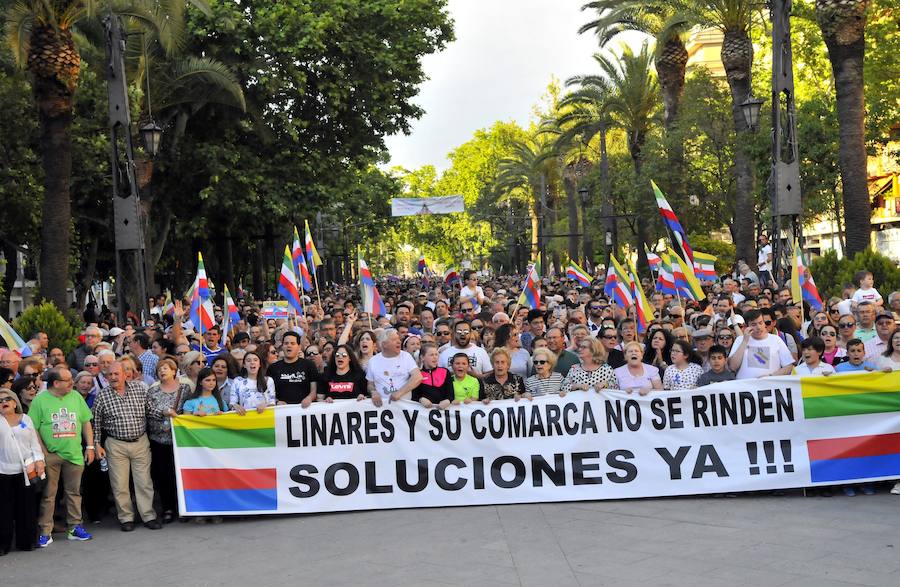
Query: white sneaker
(896, 489)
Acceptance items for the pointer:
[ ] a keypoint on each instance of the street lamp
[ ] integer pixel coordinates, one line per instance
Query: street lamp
(151, 137)
(751, 107)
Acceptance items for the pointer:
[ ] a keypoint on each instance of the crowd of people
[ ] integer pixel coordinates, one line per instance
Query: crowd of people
(98, 421)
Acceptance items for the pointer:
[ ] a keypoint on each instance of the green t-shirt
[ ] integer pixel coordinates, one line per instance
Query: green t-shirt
(59, 420)
(468, 387)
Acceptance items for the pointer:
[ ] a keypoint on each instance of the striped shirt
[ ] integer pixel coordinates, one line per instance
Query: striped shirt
(536, 386)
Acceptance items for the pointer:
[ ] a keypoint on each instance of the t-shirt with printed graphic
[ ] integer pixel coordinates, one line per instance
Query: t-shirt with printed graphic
(762, 357)
(59, 421)
(350, 385)
(390, 374)
(293, 380)
(479, 361)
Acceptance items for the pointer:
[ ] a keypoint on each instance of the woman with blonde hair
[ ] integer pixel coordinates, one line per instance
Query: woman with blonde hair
(191, 363)
(593, 372)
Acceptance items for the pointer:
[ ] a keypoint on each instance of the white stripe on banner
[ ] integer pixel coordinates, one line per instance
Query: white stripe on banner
(584, 446)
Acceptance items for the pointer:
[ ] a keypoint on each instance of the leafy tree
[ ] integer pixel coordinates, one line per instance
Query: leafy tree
(62, 331)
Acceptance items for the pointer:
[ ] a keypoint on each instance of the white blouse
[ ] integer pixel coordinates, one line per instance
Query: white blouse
(29, 447)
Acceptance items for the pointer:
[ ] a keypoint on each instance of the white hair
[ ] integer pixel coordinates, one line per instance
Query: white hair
(106, 353)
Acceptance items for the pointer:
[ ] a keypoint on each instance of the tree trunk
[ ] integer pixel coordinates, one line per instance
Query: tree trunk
(636, 148)
(572, 209)
(228, 261)
(606, 206)
(11, 254)
(737, 57)
(843, 28)
(56, 153)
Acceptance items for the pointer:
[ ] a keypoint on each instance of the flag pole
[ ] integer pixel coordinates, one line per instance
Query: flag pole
(318, 295)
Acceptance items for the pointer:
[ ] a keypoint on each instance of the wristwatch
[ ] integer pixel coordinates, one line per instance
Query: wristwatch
(89, 448)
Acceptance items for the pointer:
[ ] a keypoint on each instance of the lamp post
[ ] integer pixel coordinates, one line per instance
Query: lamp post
(751, 107)
(585, 230)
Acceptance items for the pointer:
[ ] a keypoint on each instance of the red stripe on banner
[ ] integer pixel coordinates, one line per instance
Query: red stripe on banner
(853, 446)
(228, 479)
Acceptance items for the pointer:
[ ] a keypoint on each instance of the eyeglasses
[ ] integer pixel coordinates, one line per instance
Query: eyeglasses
(341, 355)
(610, 337)
(462, 332)
(312, 354)
(768, 322)
(833, 311)
(467, 310)
(847, 324)
(478, 328)
(540, 362)
(725, 337)
(92, 364)
(443, 333)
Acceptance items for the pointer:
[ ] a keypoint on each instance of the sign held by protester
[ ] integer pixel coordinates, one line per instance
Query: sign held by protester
(761, 434)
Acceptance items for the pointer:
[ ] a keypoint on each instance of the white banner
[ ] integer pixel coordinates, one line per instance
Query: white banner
(422, 206)
(749, 435)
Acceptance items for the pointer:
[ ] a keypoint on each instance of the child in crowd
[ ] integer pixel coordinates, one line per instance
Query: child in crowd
(436, 388)
(866, 292)
(812, 364)
(207, 400)
(466, 388)
(718, 367)
(855, 359)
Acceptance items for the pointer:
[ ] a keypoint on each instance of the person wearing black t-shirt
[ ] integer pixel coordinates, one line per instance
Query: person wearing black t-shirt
(614, 357)
(295, 377)
(343, 377)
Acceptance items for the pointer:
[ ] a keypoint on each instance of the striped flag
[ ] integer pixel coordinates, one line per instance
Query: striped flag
(672, 222)
(653, 260)
(202, 312)
(231, 309)
(685, 280)
(422, 266)
(665, 280)
(617, 286)
(169, 305)
(312, 255)
(13, 340)
(573, 271)
(531, 293)
(372, 302)
(300, 268)
(705, 266)
(643, 311)
(803, 287)
(451, 275)
(287, 282)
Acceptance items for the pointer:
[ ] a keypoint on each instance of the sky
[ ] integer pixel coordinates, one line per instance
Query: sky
(505, 54)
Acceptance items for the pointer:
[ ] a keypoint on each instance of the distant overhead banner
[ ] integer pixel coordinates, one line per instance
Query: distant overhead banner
(748, 435)
(423, 206)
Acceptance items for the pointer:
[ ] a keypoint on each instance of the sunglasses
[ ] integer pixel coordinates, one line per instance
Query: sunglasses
(197, 363)
(611, 337)
(725, 337)
(7, 400)
(478, 328)
(540, 362)
(833, 311)
(92, 364)
(847, 324)
(467, 310)
(462, 332)
(768, 322)
(341, 355)
(312, 354)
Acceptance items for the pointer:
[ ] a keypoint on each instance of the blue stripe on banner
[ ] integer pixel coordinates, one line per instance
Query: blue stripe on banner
(855, 468)
(237, 500)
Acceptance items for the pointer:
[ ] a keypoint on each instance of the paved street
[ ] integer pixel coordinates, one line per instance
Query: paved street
(753, 540)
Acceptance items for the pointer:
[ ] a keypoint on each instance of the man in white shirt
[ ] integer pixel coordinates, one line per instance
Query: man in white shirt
(884, 328)
(392, 373)
(758, 353)
(731, 288)
(472, 291)
(479, 361)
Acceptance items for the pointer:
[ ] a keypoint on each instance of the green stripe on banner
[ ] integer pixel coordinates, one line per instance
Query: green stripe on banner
(224, 438)
(851, 404)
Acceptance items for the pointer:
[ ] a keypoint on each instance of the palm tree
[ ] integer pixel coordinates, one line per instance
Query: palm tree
(42, 35)
(733, 19)
(649, 17)
(630, 94)
(524, 176)
(843, 24)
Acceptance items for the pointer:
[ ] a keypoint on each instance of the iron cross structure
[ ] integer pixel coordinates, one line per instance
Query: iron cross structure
(131, 282)
(784, 182)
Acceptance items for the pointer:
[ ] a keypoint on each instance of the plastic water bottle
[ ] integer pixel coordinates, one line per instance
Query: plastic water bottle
(104, 466)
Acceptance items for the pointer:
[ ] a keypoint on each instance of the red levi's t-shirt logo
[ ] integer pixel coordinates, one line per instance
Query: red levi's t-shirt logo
(341, 386)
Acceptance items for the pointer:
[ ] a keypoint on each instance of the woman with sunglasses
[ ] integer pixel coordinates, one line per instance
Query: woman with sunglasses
(267, 353)
(846, 330)
(25, 388)
(21, 461)
(592, 373)
(819, 320)
(834, 311)
(545, 380)
(344, 378)
(725, 338)
(191, 364)
(833, 353)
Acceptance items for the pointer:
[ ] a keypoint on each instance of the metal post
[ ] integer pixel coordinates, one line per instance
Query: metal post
(131, 278)
(784, 184)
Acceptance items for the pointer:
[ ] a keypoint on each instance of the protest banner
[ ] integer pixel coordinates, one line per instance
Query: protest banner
(760, 434)
(276, 309)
